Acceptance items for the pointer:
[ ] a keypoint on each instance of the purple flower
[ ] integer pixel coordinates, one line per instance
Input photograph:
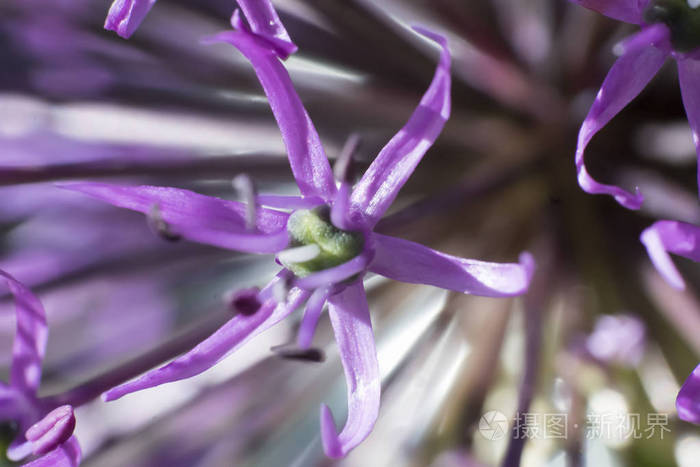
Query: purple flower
(669, 28)
(688, 400)
(48, 435)
(323, 238)
(671, 236)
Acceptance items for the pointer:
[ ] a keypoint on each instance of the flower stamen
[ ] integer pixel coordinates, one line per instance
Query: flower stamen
(159, 226)
(245, 187)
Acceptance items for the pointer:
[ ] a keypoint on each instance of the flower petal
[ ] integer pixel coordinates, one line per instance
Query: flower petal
(307, 158)
(263, 21)
(66, 455)
(382, 181)
(352, 326)
(314, 307)
(688, 400)
(625, 80)
(52, 430)
(689, 77)
(407, 261)
(225, 340)
(675, 237)
(30, 339)
(126, 15)
(629, 11)
(200, 218)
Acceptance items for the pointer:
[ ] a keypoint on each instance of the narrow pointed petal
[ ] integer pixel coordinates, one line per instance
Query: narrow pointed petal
(311, 315)
(263, 21)
(307, 158)
(352, 326)
(30, 339)
(66, 455)
(380, 184)
(689, 77)
(125, 16)
(407, 261)
(629, 11)
(688, 400)
(625, 80)
(199, 218)
(52, 430)
(664, 237)
(229, 337)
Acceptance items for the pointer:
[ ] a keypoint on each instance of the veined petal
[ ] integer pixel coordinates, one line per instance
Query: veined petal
(625, 80)
(629, 11)
(382, 181)
(689, 77)
(225, 340)
(407, 261)
(30, 339)
(307, 158)
(66, 455)
(126, 15)
(688, 400)
(200, 218)
(263, 21)
(675, 237)
(352, 326)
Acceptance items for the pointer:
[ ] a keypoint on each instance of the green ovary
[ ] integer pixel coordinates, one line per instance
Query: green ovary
(313, 227)
(682, 20)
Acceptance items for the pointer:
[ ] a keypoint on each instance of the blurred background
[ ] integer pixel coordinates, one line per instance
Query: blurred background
(583, 371)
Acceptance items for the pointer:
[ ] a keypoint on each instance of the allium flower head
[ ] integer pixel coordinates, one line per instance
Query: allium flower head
(324, 239)
(669, 28)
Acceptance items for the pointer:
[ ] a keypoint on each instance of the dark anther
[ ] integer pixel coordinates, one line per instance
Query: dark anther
(344, 169)
(160, 227)
(246, 301)
(293, 352)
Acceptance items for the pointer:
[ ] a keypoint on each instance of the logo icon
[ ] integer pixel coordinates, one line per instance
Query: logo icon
(493, 425)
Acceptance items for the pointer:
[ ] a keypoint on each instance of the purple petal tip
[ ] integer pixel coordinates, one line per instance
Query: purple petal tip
(51, 431)
(329, 434)
(688, 401)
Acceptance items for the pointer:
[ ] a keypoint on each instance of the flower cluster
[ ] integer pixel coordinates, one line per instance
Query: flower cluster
(324, 239)
(669, 28)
